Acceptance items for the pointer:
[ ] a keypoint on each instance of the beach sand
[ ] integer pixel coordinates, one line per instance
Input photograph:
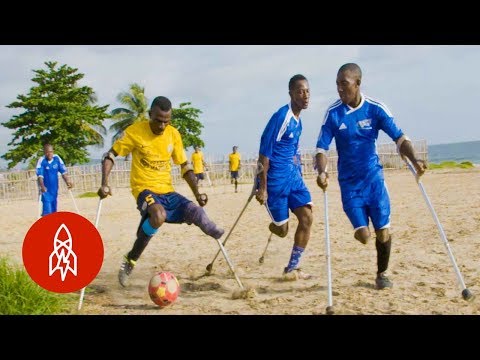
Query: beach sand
(420, 268)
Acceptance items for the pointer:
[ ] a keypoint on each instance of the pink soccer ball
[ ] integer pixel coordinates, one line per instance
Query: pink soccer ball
(163, 288)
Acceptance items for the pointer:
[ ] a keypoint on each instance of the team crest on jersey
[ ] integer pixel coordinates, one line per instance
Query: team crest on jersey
(170, 148)
(55, 166)
(365, 124)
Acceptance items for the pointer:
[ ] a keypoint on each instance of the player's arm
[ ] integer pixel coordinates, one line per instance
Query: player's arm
(262, 194)
(41, 184)
(321, 162)
(405, 149)
(39, 171)
(404, 145)
(325, 137)
(63, 170)
(67, 180)
(108, 160)
(267, 144)
(189, 176)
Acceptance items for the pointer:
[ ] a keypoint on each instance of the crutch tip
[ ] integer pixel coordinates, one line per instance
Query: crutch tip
(261, 260)
(467, 295)
(329, 310)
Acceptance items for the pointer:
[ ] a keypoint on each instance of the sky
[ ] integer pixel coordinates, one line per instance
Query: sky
(432, 91)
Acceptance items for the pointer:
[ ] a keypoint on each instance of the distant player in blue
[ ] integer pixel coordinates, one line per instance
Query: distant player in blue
(354, 121)
(48, 168)
(281, 186)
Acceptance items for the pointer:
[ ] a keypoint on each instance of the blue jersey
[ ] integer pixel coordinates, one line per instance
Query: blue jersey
(355, 131)
(279, 143)
(49, 171)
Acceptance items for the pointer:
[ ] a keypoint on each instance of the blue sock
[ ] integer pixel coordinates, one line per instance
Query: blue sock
(144, 234)
(297, 252)
(148, 228)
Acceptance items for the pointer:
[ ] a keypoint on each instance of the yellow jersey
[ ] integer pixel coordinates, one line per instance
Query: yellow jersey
(197, 161)
(151, 156)
(234, 160)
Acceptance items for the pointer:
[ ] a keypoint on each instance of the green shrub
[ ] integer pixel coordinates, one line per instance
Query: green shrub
(20, 295)
(451, 165)
(88, 194)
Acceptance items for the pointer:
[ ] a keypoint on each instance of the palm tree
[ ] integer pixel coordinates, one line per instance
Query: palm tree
(94, 132)
(136, 109)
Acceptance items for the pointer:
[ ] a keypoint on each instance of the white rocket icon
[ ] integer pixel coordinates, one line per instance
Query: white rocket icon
(62, 257)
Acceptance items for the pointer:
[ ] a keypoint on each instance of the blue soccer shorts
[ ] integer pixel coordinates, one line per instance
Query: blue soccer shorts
(371, 202)
(173, 203)
(49, 203)
(291, 194)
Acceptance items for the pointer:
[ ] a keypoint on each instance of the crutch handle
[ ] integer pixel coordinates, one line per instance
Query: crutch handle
(412, 168)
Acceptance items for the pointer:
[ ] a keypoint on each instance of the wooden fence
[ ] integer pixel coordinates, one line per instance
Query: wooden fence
(87, 178)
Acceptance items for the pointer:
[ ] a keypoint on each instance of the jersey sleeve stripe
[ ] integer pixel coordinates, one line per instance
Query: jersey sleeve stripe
(288, 115)
(380, 105)
(333, 106)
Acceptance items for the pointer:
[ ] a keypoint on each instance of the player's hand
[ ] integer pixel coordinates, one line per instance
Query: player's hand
(43, 189)
(69, 185)
(420, 166)
(104, 191)
(202, 199)
(322, 180)
(261, 196)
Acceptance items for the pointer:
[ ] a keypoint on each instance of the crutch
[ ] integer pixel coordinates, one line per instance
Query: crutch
(208, 178)
(258, 170)
(261, 259)
(329, 310)
(97, 218)
(466, 294)
(74, 202)
(40, 205)
(230, 264)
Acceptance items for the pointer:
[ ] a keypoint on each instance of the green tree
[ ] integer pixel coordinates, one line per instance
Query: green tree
(136, 109)
(185, 119)
(58, 111)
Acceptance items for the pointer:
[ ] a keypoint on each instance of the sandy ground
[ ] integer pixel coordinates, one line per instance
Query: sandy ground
(423, 275)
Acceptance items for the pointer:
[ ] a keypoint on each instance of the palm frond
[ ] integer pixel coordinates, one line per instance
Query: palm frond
(120, 111)
(122, 124)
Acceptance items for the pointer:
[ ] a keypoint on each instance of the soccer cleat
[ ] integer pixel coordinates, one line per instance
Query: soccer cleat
(125, 271)
(294, 275)
(382, 281)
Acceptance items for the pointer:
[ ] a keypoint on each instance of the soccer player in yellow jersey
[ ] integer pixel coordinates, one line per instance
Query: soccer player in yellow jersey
(198, 164)
(234, 161)
(153, 144)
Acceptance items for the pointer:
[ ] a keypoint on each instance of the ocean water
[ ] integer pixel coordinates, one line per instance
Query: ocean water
(462, 151)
